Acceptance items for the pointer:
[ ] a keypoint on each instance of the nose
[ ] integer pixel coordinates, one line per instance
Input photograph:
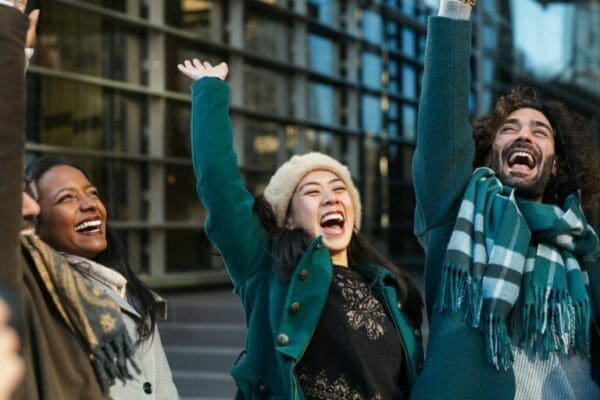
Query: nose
(331, 197)
(87, 203)
(29, 207)
(524, 133)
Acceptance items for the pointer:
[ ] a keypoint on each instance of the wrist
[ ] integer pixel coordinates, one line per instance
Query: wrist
(456, 9)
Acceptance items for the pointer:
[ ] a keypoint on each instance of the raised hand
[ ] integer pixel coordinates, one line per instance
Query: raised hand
(21, 5)
(195, 69)
(11, 364)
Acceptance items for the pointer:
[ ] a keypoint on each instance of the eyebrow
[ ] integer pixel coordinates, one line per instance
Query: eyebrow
(69, 189)
(535, 122)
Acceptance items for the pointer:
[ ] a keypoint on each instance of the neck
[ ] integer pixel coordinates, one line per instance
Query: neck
(340, 258)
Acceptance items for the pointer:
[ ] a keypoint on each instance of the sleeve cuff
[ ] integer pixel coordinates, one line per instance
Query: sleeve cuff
(454, 9)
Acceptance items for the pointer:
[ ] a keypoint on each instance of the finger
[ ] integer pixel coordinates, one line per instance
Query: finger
(188, 64)
(207, 64)
(223, 66)
(9, 341)
(13, 369)
(21, 5)
(33, 18)
(197, 63)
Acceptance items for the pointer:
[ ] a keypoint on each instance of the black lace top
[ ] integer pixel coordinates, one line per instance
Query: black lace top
(355, 352)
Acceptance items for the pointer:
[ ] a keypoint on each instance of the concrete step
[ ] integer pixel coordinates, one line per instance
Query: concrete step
(206, 312)
(204, 384)
(199, 358)
(203, 334)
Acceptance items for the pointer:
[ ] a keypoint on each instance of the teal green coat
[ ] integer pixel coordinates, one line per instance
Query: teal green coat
(456, 366)
(277, 334)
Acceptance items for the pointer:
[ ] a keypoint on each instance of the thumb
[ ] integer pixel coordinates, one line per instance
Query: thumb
(33, 18)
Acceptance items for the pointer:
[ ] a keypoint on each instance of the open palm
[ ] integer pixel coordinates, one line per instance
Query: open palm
(195, 69)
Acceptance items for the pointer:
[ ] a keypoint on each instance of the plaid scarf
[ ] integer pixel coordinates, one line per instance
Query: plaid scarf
(87, 311)
(506, 254)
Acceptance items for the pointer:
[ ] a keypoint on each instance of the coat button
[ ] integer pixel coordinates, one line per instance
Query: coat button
(295, 307)
(282, 339)
(147, 387)
(418, 334)
(400, 305)
(262, 389)
(303, 274)
(318, 245)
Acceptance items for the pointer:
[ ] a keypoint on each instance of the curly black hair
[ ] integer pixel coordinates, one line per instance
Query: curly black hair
(576, 155)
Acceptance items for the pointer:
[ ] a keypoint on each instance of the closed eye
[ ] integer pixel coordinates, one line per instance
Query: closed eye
(65, 198)
(311, 193)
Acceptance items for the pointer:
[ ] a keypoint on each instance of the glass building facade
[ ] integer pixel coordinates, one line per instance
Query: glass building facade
(337, 76)
(334, 76)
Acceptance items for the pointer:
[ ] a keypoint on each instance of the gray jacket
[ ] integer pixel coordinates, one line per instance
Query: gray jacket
(155, 381)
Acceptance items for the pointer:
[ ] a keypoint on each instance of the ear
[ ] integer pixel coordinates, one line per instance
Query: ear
(554, 166)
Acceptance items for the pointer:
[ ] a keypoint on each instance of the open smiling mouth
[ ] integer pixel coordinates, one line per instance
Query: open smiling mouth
(521, 159)
(333, 223)
(89, 227)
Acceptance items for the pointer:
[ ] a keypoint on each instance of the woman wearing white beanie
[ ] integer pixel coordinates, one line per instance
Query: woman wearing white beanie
(327, 316)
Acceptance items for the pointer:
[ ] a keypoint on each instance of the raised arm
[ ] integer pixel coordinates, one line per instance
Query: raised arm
(443, 158)
(231, 223)
(13, 27)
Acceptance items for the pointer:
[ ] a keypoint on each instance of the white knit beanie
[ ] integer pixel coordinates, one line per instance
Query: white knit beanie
(282, 185)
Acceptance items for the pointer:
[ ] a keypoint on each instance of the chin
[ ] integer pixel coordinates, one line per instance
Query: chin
(335, 245)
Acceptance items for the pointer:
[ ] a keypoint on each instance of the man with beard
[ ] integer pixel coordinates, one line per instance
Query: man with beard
(512, 281)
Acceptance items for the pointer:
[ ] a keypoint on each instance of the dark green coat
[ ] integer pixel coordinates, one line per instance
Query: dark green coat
(277, 334)
(456, 365)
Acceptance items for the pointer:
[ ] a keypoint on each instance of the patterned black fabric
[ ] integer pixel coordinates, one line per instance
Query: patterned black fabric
(355, 353)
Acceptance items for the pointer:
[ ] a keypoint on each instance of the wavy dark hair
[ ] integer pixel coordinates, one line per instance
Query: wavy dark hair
(287, 246)
(576, 155)
(113, 256)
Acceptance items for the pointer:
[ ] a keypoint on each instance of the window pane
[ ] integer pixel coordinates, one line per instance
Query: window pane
(371, 70)
(372, 27)
(204, 17)
(267, 37)
(86, 43)
(180, 191)
(371, 114)
(323, 103)
(193, 256)
(266, 91)
(262, 142)
(322, 54)
(72, 114)
(177, 132)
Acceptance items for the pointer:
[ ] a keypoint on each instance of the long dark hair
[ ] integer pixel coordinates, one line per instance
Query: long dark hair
(287, 246)
(113, 256)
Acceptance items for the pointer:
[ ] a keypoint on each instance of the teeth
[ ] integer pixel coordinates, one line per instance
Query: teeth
(88, 224)
(518, 154)
(333, 216)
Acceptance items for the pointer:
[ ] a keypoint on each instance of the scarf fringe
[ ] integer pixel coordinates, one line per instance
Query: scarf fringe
(552, 323)
(458, 289)
(499, 343)
(110, 361)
